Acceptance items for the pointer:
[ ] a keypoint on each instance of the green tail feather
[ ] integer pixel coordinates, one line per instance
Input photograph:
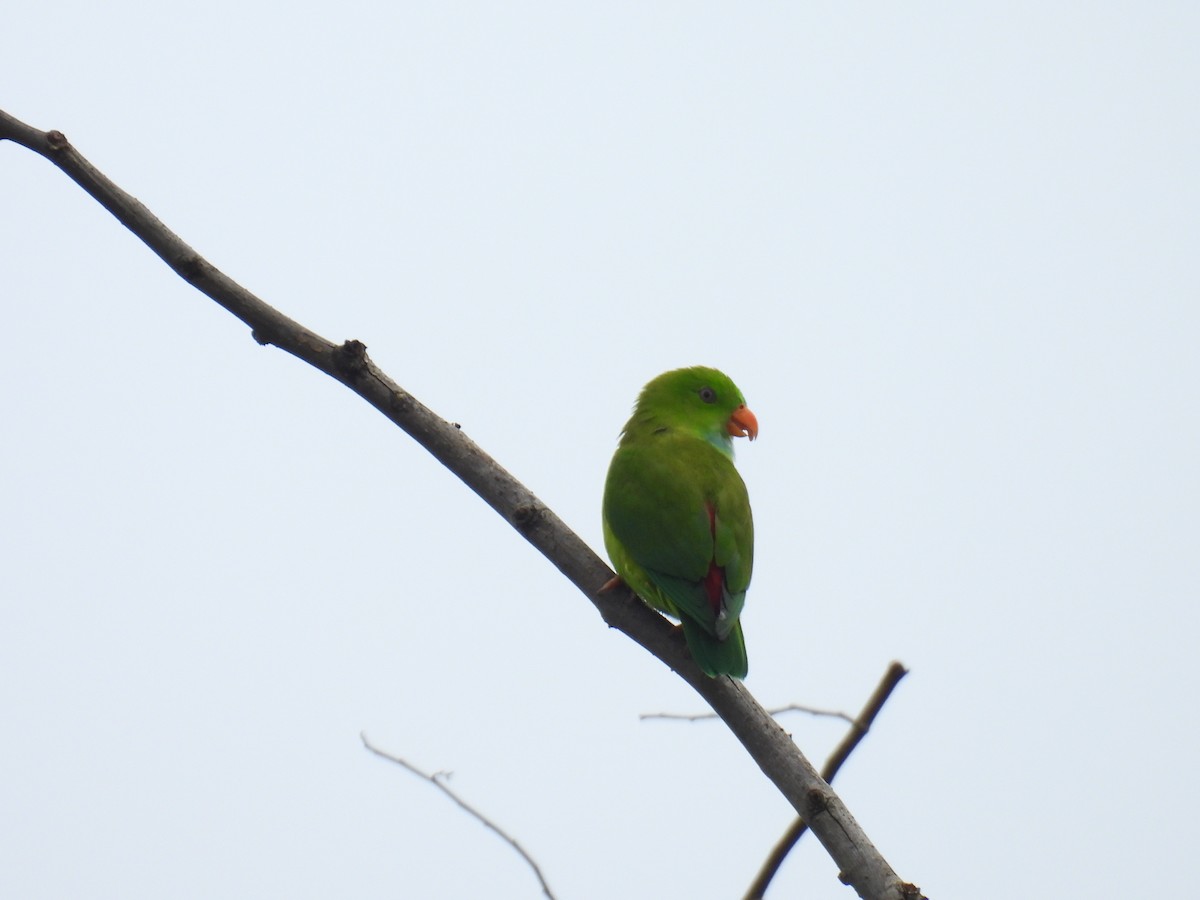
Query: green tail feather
(713, 656)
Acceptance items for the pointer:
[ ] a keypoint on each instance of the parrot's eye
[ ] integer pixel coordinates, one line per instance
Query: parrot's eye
(708, 395)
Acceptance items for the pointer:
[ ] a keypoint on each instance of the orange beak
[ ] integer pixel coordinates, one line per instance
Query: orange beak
(742, 423)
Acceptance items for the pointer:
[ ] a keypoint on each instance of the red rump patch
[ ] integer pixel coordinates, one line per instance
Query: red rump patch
(714, 583)
(714, 580)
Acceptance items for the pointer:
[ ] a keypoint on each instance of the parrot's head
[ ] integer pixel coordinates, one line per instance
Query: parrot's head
(699, 400)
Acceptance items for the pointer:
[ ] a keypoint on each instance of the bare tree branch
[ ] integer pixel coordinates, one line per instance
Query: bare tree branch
(438, 780)
(862, 866)
(774, 711)
(857, 732)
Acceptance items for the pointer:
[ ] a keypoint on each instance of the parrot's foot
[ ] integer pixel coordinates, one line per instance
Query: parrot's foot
(612, 583)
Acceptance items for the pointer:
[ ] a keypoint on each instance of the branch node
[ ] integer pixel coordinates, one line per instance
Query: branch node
(193, 268)
(816, 803)
(525, 517)
(56, 140)
(350, 360)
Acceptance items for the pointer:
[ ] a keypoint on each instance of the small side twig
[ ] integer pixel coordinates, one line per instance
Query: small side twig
(774, 711)
(857, 732)
(437, 779)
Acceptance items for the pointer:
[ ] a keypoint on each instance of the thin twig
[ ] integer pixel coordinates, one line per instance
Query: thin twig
(857, 732)
(774, 711)
(437, 779)
(860, 862)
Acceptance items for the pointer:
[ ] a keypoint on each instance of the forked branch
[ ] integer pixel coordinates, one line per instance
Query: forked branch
(861, 864)
(858, 730)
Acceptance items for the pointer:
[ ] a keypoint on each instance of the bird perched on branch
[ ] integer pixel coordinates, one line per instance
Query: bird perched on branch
(677, 521)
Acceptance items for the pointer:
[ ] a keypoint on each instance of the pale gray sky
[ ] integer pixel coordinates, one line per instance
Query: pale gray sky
(949, 253)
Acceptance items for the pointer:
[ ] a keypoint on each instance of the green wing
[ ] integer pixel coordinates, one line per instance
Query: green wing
(660, 492)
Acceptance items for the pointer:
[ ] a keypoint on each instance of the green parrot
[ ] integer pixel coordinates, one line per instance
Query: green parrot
(677, 521)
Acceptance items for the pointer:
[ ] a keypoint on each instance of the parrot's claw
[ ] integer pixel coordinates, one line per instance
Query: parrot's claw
(614, 582)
